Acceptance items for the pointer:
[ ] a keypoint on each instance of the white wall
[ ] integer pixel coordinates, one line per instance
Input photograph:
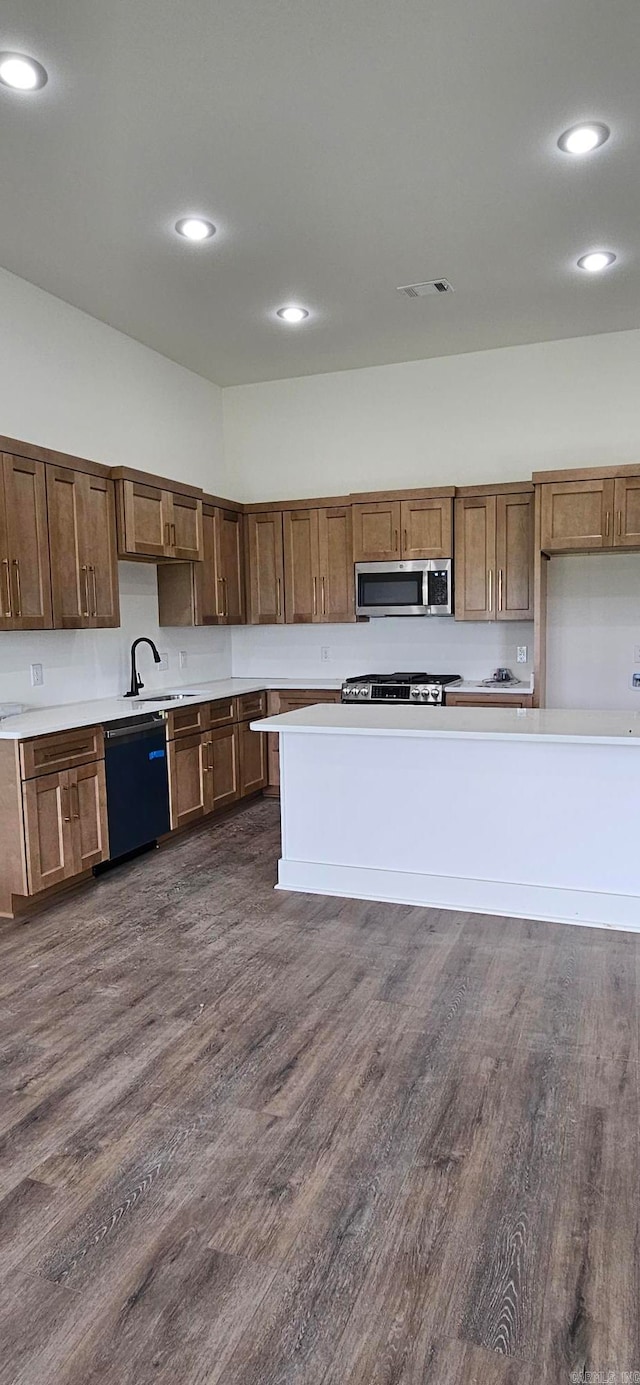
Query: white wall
(486, 416)
(593, 631)
(73, 384)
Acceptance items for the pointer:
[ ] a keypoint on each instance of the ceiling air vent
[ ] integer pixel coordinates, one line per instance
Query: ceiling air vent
(422, 290)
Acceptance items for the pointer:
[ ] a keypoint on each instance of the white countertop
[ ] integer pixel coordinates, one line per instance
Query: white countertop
(42, 721)
(480, 723)
(524, 689)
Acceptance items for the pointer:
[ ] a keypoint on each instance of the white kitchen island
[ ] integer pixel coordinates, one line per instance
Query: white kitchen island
(534, 814)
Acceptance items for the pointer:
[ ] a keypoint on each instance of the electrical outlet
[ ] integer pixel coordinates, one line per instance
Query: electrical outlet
(325, 654)
(37, 676)
(522, 654)
(164, 661)
(183, 658)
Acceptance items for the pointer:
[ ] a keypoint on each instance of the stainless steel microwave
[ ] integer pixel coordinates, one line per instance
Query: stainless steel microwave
(419, 588)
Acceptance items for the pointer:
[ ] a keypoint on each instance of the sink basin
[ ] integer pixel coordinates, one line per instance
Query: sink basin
(182, 695)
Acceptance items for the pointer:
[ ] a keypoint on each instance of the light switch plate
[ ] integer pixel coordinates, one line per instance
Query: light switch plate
(183, 658)
(324, 653)
(164, 661)
(37, 676)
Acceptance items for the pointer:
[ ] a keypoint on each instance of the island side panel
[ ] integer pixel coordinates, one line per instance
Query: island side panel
(534, 829)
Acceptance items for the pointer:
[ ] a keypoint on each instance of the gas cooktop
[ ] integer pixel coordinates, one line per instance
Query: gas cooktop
(399, 687)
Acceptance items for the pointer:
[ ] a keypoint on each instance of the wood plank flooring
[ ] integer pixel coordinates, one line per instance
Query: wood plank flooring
(257, 1139)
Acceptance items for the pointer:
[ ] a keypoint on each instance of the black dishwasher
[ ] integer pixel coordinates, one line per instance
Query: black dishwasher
(135, 754)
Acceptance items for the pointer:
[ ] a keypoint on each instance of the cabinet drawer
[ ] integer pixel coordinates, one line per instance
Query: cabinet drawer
(64, 750)
(187, 721)
(222, 713)
(251, 705)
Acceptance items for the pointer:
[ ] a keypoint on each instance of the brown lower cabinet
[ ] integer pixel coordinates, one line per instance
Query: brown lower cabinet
(289, 701)
(489, 700)
(65, 824)
(218, 763)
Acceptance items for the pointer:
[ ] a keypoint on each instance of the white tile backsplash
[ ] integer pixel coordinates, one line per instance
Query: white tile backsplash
(435, 645)
(81, 664)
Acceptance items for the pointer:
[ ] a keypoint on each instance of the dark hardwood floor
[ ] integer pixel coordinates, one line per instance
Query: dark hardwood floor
(259, 1138)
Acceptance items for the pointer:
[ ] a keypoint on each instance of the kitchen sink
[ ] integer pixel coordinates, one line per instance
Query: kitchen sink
(182, 696)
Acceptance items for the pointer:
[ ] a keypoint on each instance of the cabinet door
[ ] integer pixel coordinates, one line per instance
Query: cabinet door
(229, 550)
(627, 508)
(209, 592)
(576, 516)
(335, 548)
(266, 568)
(99, 552)
(88, 804)
(69, 571)
(301, 577)
(427, 528)
(279, 702)
(26, 574)
(184, 515)
(48, 830)
(514, 556)
(225, 772)
(475, 584)
(189, 775)
(143, 529)
(253, 759)
(376, 531)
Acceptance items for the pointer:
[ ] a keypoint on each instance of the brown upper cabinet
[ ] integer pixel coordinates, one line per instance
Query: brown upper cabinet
(210, 592)
(265, 565)
(385, 530)
(82, 540)
(589, 513)
(494, 555)
(160, 521)
(318, 565)
(25, 587)
(576, 515)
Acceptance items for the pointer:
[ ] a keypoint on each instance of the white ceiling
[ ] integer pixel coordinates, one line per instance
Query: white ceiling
(342, 147)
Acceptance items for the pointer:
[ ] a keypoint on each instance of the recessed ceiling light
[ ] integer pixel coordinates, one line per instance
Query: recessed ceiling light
(596, 261)
(581, 139)
(293, 314)
(21, 73)
(195, 228)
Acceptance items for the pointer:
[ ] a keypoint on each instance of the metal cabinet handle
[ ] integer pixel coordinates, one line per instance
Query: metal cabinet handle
(278, 599)
(208, 759)
(619, 524)
(173, 535)
(315, 596)
(395, 540)
(607, 524)
(66, 816)
(16, 565)
(490, 582)
(77, 812)
(500, 589)
(220, 612)
(324, 606)
(85, 603)
(225, 596)
(406, 545)
(94, 604)
(5, 564)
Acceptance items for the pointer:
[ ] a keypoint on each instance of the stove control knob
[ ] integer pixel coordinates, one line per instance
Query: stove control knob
(416, 693)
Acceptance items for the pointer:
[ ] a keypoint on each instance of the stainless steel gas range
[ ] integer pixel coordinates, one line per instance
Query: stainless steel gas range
(420, 689)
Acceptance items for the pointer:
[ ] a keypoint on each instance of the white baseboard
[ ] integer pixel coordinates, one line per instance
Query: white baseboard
(504, 898)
